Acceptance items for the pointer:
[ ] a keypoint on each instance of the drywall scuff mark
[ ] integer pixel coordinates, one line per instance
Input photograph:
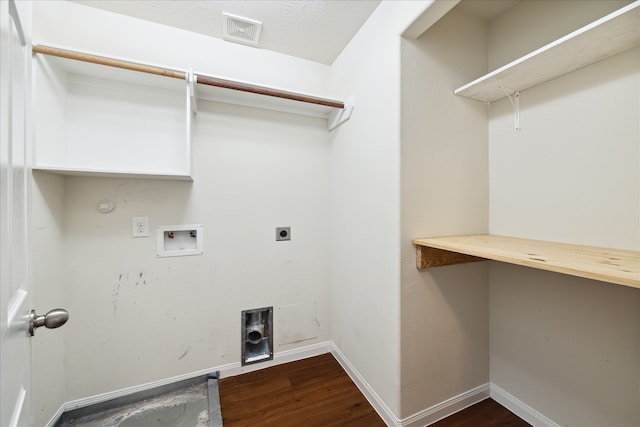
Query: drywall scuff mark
(130, 280)
(187, 350)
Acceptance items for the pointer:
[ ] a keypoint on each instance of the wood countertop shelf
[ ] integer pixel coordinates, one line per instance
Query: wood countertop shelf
(621, 267)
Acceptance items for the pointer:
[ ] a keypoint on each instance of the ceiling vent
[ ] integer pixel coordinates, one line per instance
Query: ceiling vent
(241, 30)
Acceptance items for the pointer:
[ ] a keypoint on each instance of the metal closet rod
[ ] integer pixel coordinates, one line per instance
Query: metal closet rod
(209, 81)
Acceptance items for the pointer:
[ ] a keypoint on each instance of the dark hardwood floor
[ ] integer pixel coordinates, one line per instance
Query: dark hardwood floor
(310, 392)
(317, 392)
(487, 413)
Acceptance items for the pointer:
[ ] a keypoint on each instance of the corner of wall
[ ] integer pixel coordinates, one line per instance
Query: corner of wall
(445, 317)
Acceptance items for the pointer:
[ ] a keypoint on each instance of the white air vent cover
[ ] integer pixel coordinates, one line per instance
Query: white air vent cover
(241, 30)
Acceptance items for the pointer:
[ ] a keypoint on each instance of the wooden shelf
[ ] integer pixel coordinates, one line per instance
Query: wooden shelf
(606, 37)
(616, 266)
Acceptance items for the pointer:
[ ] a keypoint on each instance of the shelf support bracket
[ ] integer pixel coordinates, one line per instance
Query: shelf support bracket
(338, 117)
(428, 257)
(191, 85)
(515, 103)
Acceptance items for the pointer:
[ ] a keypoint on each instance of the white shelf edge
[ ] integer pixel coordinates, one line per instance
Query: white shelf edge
(486, 87)
(112, 173)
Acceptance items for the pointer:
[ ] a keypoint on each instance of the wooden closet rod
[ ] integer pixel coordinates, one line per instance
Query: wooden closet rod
(243, 87)
(100, 60)
(209, 81)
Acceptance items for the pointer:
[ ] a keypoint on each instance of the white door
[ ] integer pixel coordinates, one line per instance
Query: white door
(15, 288)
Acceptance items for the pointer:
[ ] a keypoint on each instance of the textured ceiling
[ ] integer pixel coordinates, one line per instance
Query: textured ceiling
(317, 30)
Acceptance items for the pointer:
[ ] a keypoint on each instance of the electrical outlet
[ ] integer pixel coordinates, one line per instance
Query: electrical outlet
(140, 226)
(283, 233)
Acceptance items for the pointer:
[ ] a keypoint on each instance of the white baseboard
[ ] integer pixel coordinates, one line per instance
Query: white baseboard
(420, 419)
(54, 419)
(521, 409)
(227, 370)
(369, 393)
(448, 407)
(279, 358)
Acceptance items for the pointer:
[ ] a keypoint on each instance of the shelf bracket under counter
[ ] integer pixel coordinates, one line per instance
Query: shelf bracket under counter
(617, 266)
(429, 257)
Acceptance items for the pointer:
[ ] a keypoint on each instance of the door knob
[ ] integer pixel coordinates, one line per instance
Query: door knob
(53, 319)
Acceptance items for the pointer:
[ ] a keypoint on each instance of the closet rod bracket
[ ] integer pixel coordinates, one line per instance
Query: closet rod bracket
(191, 90)
(338, 117)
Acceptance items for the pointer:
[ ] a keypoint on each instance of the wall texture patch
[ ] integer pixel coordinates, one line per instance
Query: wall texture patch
(296, 323)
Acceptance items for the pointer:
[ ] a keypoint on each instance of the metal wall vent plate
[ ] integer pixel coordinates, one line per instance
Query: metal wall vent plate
(257, 335)
(241, 30)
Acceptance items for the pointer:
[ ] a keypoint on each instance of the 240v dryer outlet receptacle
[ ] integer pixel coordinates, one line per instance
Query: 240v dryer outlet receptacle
(283, 233)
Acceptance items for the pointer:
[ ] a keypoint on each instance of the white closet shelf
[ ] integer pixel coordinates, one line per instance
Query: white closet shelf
(100, 115)
(213, 88)
(106, 173)
(617, 266)
(122, 120)
(220, 89)
(604, 38)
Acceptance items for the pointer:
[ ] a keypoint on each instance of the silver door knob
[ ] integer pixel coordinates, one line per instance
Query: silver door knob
(53, 319)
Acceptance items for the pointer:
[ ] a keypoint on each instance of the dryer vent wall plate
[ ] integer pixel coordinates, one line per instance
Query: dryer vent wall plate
(241, 30)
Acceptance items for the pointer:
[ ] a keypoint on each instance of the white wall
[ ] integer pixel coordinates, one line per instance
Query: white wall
(571, 174)
(254, 170)
(145, 318)
(355, 199)
(445, 319)
(516, 32)
(136, 318)
(565, 346)
(580, 177)
(48, 347)
(365, 202)
(60, 22)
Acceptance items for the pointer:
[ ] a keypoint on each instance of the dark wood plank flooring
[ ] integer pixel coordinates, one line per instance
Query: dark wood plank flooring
(310, 392)
(318, 392)
(487, 413)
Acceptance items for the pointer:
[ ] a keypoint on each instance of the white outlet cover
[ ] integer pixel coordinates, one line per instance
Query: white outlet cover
(140, 226)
